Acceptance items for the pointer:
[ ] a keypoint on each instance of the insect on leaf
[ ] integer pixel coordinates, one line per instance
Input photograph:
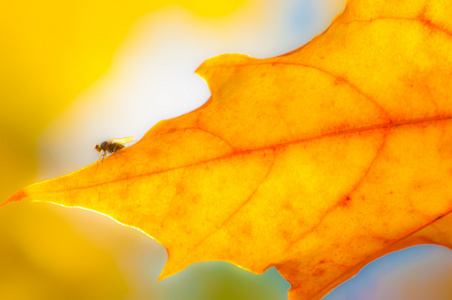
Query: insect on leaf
(315, 162)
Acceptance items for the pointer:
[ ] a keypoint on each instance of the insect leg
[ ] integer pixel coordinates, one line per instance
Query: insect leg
(103, 155)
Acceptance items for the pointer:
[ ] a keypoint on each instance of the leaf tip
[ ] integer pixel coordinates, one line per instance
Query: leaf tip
(19, 195)
(167, 271)
(174, 264)
(221, 62)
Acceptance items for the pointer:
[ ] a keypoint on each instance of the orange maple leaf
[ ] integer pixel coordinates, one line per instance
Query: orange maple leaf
(315, 162)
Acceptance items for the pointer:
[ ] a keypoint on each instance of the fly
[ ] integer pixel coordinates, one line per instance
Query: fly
(112, 146)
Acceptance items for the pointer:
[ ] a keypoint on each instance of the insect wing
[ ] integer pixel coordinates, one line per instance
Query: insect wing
(123, 141)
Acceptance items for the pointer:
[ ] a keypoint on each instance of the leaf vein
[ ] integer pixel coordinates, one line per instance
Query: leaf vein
(275, 146)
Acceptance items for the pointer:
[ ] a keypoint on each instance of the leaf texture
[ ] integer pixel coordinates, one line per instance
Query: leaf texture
(315, 162)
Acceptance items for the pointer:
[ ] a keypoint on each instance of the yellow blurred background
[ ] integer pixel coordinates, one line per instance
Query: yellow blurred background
(75, 73)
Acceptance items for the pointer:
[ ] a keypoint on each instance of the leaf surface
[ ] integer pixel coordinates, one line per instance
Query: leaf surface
(315, 162)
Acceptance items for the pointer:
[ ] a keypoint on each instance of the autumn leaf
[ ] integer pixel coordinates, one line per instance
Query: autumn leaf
(315, 162)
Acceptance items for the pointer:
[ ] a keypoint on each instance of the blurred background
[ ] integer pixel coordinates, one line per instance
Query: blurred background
(75, 73)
